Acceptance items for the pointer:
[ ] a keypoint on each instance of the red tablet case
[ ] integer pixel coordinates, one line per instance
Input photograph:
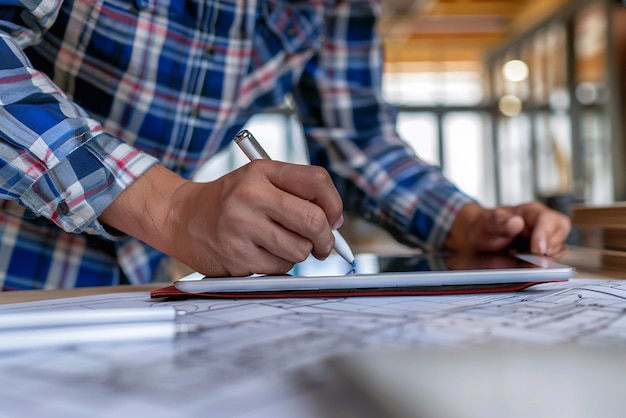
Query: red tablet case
(171, 292)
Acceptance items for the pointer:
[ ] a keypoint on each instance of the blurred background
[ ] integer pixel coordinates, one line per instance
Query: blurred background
(516, 100)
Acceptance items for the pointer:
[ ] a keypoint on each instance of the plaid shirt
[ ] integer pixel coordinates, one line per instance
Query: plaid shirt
(92, 93)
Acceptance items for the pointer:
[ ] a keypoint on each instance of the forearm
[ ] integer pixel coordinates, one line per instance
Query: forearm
(56, 160)
(351, 131)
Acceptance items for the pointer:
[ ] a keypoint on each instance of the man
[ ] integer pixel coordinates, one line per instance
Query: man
(108, 107)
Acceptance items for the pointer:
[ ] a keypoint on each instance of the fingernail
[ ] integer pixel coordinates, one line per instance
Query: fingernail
(338, 224)
(543, 246)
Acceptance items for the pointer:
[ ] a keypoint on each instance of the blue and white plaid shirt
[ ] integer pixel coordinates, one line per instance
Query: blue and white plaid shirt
(94, 92)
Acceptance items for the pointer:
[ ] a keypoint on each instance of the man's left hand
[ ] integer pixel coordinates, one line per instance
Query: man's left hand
(530, 227)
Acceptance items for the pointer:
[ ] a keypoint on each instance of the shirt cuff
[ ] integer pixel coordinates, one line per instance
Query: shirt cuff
(75, 192)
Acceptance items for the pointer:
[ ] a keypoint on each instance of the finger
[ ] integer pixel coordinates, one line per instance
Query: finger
(303, 219)
(285, 246)
(514, 226)
(549, 232)
(560, 252)
(530, 213)
(286, 224)
(547, 228)
(259, 260)
(256, 215)
(276, 223)
(310, 183)
(308, 203)
(504, 223)
(239, 255)
(555, 237)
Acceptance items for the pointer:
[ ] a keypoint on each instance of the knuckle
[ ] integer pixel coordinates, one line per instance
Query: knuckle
(257, 164)
(536, 207)
(284, 266)
(302, 253)
(319, 174)
(567, 222)
(315, 220)
(250, 192)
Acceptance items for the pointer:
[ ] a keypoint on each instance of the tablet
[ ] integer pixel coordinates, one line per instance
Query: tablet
(388, 275)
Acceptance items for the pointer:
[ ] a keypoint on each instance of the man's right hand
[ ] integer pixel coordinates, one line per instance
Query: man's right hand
(261, 218)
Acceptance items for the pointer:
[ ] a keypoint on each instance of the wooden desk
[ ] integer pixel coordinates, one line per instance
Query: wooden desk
(589, 264)
(33, 295)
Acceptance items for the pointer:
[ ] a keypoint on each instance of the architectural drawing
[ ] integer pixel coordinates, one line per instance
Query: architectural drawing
(263, 357)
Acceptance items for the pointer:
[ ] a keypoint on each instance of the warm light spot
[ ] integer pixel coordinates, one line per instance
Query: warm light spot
(510, 105)
(515, 70)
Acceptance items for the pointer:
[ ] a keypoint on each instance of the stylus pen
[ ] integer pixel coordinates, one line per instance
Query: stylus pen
(72, 317)
(253, 150)
(50, 337)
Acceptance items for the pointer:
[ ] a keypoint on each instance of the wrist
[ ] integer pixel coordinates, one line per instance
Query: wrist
(143, 208)
(459, 236)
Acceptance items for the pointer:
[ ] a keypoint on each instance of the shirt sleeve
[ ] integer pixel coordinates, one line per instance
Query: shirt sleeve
(54, 159)
(351, 131)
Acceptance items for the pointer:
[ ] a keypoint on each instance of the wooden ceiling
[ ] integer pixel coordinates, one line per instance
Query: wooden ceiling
(454, 33)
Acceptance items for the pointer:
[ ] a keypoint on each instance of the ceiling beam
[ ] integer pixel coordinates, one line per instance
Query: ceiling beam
(533, 12)
(459, 30)
(439, 50)
(476, 8)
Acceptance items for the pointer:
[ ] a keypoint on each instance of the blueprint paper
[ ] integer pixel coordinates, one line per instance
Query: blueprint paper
(266, 358)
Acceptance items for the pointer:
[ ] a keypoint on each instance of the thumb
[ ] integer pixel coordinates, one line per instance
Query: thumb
(500, 231)
(505, 224)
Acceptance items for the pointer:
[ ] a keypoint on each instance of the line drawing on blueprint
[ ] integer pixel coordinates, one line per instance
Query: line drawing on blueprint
(252, 355)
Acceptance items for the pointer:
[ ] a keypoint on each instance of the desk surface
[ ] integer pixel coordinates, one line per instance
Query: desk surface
(38, 295)
(269, 358)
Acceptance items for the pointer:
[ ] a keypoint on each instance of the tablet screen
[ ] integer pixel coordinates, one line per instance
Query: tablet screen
(373, 264)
